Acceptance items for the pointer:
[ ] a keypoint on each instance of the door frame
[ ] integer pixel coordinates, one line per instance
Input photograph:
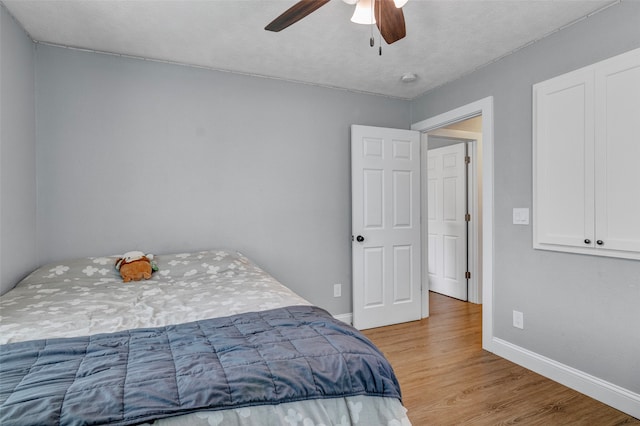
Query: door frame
(483, 107)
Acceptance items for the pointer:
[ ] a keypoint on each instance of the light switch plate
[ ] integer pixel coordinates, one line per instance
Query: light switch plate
(520, 216)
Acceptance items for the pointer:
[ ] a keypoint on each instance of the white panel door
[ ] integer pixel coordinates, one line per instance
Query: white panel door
(617, 101)
(385, 179)
(446, 209)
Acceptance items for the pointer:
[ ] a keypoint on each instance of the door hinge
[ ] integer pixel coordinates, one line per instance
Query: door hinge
(467, 159)
(467, 217)
(467, 275)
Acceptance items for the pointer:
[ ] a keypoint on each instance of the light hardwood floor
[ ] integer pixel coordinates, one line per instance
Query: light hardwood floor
(447, 379)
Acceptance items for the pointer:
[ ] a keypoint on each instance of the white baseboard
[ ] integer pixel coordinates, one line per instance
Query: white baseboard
(601, 390)
(348, 318)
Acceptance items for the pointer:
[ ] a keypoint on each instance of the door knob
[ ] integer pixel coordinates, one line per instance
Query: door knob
(587, 241)
(600, 242)
(359, 238)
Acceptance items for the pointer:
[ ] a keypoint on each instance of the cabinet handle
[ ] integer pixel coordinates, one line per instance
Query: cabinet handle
(587, 241)
(600, 242)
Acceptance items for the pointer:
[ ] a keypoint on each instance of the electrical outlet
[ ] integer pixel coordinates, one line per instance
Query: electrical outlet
(518, 319)
(337, 290)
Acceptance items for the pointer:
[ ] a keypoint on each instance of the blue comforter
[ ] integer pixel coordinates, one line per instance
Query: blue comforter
(281, 355)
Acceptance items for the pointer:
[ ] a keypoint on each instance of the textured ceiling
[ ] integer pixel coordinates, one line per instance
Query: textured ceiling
(445, 38)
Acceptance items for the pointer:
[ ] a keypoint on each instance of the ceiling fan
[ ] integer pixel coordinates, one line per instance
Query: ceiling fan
(387, 15)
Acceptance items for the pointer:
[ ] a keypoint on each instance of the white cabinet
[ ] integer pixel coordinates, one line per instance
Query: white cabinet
(586, 159)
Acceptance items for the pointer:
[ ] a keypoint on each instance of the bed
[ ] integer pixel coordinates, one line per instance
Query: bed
(210, 339)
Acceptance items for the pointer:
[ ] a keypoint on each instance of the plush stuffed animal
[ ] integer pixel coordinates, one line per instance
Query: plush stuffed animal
(135, 265)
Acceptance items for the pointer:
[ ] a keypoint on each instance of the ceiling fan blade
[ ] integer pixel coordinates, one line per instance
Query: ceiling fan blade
(390, 21)
(295, 13)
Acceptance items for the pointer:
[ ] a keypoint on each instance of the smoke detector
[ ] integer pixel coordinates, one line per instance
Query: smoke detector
(408, 77)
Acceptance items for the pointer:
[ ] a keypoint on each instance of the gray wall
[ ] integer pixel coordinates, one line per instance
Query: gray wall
(134, 154)
(17, 153)
(582, 311)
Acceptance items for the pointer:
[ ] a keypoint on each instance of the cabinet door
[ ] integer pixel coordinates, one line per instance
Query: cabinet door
(617, 103)
(563, 149)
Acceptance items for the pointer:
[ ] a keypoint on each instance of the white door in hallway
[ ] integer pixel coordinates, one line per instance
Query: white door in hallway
(447, 244)
(385, 178)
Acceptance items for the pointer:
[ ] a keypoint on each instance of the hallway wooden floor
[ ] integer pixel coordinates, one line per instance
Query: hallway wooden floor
(447, 379)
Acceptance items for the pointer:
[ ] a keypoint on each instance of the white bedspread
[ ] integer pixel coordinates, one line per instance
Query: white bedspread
(87, 296)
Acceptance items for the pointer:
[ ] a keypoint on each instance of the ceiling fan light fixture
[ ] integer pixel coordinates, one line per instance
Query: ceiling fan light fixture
(390, 23)
(400, 3)
(364, 13)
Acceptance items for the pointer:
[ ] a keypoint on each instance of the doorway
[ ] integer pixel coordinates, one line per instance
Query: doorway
(452, 178)
(484, 110)
(451, 246)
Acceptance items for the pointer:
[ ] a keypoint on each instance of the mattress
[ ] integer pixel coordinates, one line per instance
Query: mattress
(84, 297)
